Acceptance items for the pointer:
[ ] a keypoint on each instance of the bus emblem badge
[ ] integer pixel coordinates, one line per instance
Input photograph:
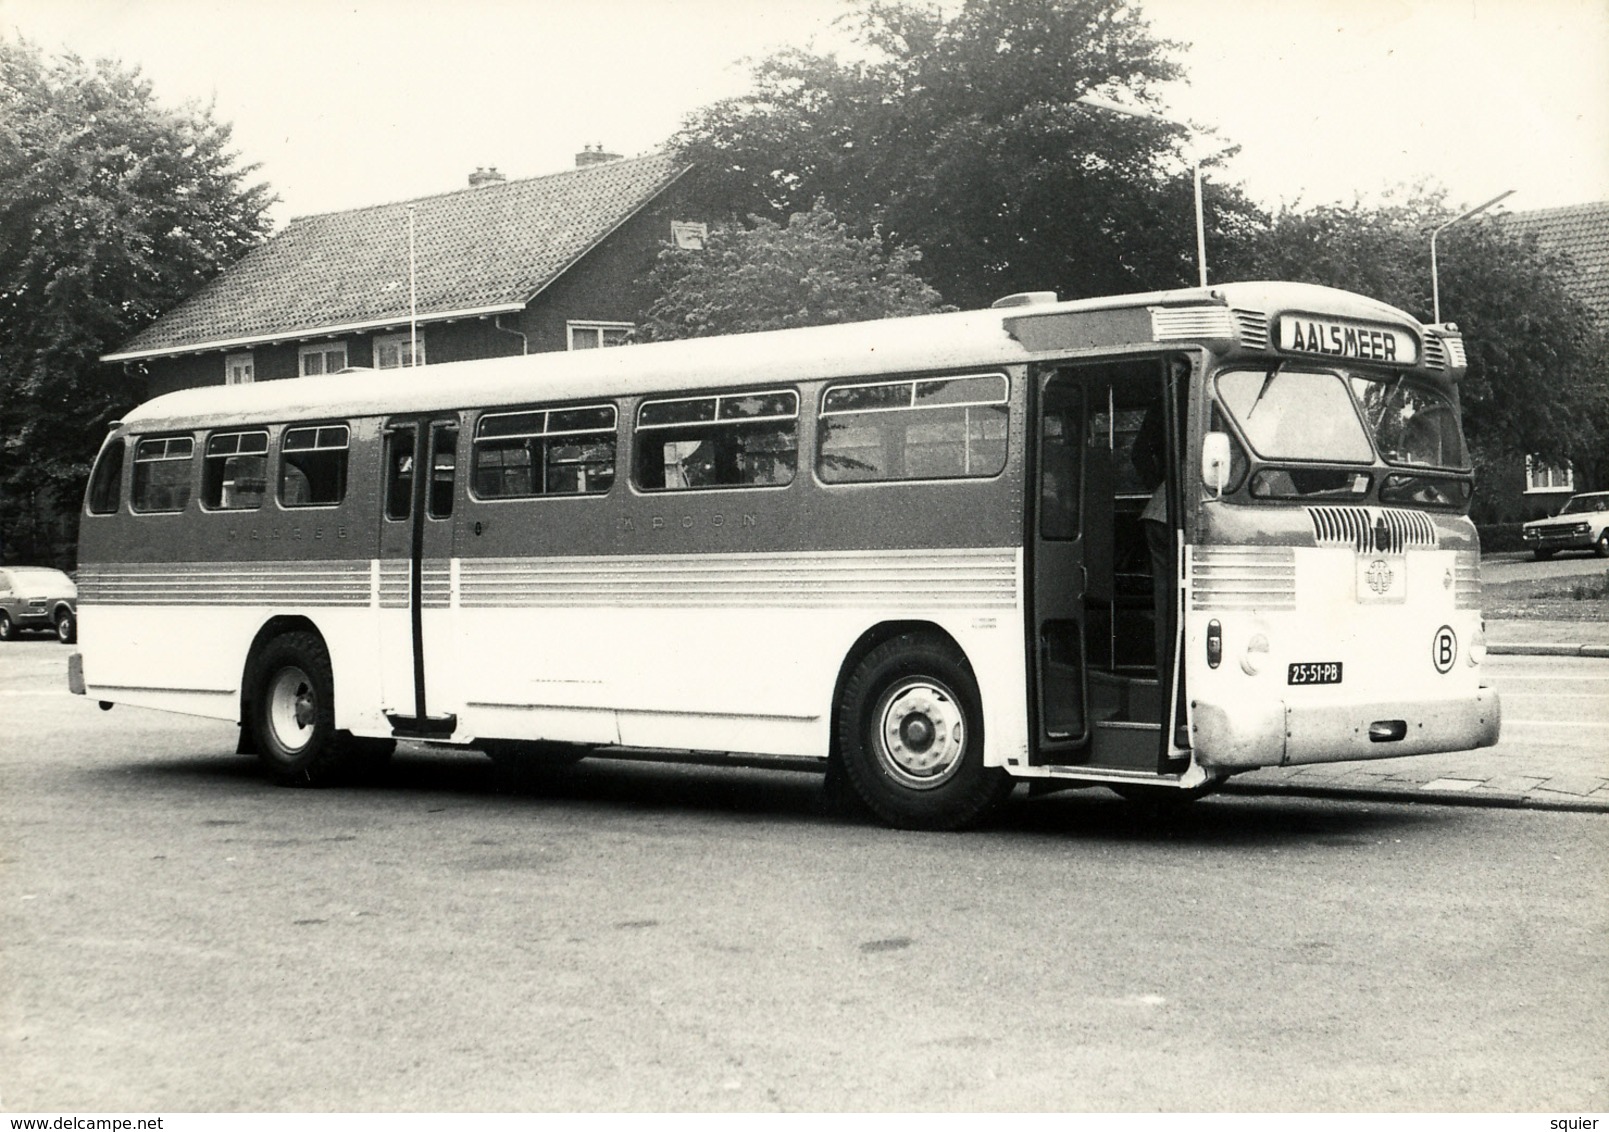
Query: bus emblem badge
(1379, 576)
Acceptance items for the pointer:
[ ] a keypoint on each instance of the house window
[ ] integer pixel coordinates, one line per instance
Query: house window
(1543, 476)
(326, 357)
(237, 369)
(593, 335)
(392, 351)
(689, 234)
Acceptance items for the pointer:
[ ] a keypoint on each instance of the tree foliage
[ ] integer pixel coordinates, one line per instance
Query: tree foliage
(112, 209)
(959, 133)
(768, 276)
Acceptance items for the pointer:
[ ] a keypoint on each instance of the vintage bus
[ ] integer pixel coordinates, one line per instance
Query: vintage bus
(1145, 542)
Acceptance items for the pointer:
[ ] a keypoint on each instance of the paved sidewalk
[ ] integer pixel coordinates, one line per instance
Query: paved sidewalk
(1577, 780)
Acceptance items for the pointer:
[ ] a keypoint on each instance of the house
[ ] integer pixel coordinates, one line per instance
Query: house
(1579, 233)
(501, 267)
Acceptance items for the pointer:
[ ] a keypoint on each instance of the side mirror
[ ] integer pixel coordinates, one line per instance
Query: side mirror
(1215, 457)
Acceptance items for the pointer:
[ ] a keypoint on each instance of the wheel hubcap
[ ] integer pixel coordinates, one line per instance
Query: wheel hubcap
(292, 709)
(921, 733)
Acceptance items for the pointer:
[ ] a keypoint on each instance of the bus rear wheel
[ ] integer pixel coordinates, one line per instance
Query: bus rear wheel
(291, 710)
(910, 733)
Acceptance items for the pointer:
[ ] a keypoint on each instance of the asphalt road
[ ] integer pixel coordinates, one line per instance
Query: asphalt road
(179, 935)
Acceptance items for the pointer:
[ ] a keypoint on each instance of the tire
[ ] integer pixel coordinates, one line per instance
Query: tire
(910, 729)
(66, 627)
(8, 631)
(1601, 547)
(291, 711)
(1541, 555)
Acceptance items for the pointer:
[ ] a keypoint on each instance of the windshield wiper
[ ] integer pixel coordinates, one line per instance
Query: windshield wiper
(1268, 379)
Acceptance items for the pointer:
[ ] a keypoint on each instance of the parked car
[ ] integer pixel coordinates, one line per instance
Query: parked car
(37, 597)
(1581, 524)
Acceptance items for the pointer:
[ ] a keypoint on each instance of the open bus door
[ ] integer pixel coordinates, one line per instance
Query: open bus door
(416, 641)
(1104, 642)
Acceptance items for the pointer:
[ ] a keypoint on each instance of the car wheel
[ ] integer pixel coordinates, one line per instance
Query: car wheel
(291, 710)
(1541, 555)
(8, 631)
(66, 627)
(1601, 547)
(910, 727)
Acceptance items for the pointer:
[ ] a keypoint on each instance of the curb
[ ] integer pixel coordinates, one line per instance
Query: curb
(1493, 799)
(1548, 650)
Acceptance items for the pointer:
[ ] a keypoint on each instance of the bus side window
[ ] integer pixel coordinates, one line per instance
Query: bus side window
(544, 452)
(162, 474)
(106, 481)
(733, 440)
(313, 466)
(932, 428)
(443, 469)
(399, 449)
(234, 473)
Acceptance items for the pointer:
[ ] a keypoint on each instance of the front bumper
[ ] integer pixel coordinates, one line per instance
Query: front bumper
(1545, 539)
(1243, 736)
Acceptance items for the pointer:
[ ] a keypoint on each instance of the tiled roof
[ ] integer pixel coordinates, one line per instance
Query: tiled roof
(477, 250)
(1580, 231)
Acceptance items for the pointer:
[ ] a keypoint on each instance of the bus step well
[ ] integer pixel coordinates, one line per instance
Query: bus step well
(428, 727)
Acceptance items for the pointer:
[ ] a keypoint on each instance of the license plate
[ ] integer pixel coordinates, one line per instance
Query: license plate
(1315, 672)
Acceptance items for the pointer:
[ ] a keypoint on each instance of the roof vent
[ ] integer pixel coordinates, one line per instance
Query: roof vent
(485, 177)
(1025, 299)
(593, 155)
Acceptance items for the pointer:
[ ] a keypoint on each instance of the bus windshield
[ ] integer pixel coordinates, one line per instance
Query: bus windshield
(1412, 425)
(1296, 415)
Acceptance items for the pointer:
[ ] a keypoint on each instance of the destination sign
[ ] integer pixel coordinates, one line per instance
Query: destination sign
(1337, 338)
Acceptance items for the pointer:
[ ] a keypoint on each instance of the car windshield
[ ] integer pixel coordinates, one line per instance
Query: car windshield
(40, 581)
(1583, 503)
(1412, 425)
(1296, 415)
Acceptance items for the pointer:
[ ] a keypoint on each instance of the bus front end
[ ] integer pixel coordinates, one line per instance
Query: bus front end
(1331, 594)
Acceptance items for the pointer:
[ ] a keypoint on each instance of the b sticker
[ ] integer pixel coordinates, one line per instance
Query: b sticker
(1444, 649)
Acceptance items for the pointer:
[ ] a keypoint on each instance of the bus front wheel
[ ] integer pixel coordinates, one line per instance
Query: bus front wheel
(910, 729)
(291, 710)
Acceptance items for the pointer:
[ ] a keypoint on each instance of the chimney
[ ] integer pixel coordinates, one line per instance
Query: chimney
(482, 176)
(593, 155)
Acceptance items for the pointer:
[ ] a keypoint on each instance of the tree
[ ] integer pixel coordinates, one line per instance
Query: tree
(112, 209)
(961, 135)
(768, 276)
(1537, 383)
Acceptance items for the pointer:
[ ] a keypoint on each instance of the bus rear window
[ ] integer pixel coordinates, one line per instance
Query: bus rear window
(312, 469)
(162, 474)
(106, 481)
(932, 428)
(234, 475)
(733, 440)
(545, 452)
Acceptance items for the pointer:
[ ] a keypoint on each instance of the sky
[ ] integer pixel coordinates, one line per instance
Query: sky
(356, 103)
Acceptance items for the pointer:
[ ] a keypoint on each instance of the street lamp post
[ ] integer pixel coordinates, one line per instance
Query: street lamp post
(1435, 279)
(1195, 167)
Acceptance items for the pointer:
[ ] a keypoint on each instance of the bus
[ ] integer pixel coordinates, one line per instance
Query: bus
(1145, 542)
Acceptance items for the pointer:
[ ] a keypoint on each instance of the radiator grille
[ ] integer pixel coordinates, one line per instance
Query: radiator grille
(1243, 578)
(1467, 580)
(1380, 530)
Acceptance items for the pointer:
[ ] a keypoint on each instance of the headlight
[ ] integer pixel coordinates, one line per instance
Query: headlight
(1256, 655)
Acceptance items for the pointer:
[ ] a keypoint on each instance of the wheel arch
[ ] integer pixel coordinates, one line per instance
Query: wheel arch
(872, 638)
(273, 627)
